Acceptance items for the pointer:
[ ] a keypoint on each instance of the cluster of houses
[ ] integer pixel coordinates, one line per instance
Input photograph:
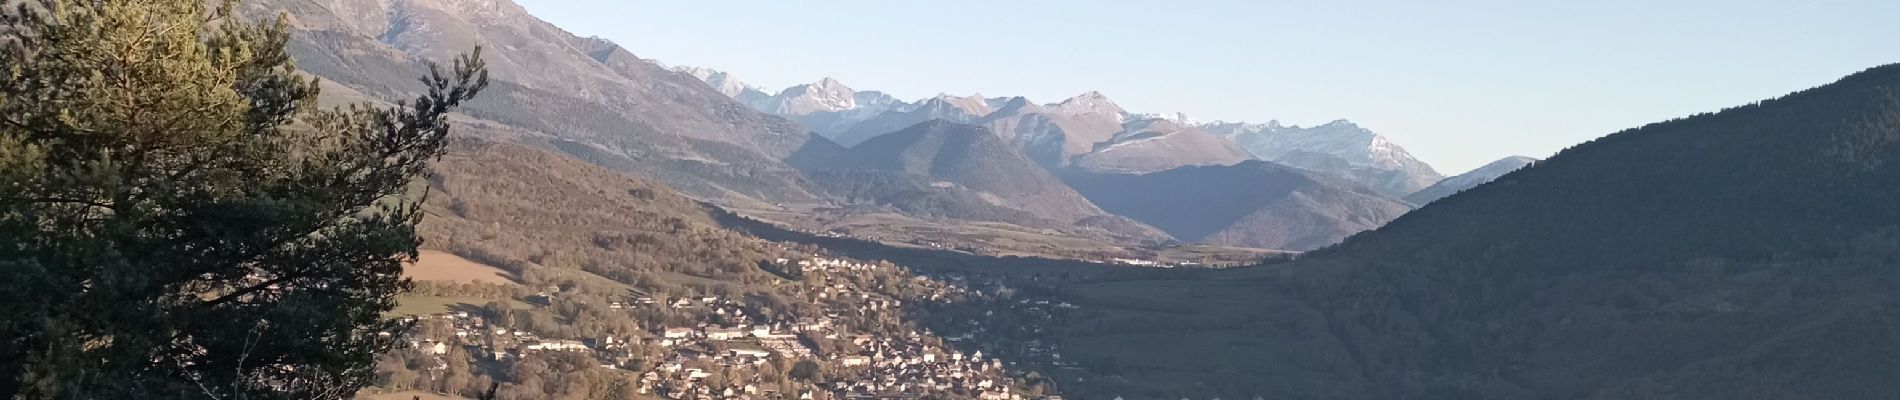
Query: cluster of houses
(879, 366)
(479, 338)
(729, 354)
(894, 367)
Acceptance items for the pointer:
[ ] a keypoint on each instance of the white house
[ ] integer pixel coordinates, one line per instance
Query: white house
(677, 333)
(725, 333)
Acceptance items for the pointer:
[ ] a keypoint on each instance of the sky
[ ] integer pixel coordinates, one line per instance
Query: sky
(1458, 83)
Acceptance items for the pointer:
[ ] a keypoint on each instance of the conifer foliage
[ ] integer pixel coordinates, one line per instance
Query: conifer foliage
(178, 218)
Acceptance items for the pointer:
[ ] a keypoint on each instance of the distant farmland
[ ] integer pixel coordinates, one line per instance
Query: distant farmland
(439, 266)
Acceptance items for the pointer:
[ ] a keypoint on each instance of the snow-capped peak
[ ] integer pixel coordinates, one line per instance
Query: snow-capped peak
(828, 84)
(1179, 118)
(1088, 103)
(721, 81)
(826, 95)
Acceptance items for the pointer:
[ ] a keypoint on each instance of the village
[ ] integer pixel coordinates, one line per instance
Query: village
(854, 349)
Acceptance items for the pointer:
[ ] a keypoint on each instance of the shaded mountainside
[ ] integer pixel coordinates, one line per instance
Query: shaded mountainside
(552, 86)
(1153, 145)
(942, 107)
(1748, 253)
(949, 165)
(1052, 134)
(1468, 180)
(1253, 204)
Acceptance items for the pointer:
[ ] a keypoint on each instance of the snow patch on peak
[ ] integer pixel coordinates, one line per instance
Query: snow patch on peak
(1341, 123)
(1179, 118)
(1088, 103)
(826, 95)
(827, 83)
(974, 106)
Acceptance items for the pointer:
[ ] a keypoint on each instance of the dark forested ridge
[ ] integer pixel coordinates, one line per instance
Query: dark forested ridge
(1740, 254)
(1795, 176)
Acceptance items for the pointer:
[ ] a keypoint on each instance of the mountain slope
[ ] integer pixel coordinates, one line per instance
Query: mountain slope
(1251, 204)
(1468, 180)
(827, 95)
(1153, 145)
(1052, 134)
(727, 85)
(943, 107)
(1340, 147)
(1748, 253)
(554, 88)
(951, 155)
(828, 107)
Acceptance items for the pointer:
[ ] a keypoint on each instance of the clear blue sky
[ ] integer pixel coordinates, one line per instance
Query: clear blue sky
(1457, 83)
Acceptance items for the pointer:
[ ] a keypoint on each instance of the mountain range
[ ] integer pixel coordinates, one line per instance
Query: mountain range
(943, 169)
(1156, 145)
(1057, 134)
(1339, 147)
(716, 138)
(1091, 134)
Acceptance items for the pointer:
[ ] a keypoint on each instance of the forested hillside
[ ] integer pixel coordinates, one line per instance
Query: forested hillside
(1742, 254)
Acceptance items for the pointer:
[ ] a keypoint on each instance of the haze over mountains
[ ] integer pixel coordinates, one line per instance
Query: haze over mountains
(1091, 134)
(1056, 134)
(712, 136)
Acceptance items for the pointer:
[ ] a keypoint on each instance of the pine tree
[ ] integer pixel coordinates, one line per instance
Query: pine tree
(179, 219)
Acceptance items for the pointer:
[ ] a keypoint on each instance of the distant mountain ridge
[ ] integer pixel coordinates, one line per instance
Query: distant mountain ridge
(1155, 145)
(955, 156)
(1468, 180)
(1338, 147)
(1056, 135)
(708, 133)
(1252, 204)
